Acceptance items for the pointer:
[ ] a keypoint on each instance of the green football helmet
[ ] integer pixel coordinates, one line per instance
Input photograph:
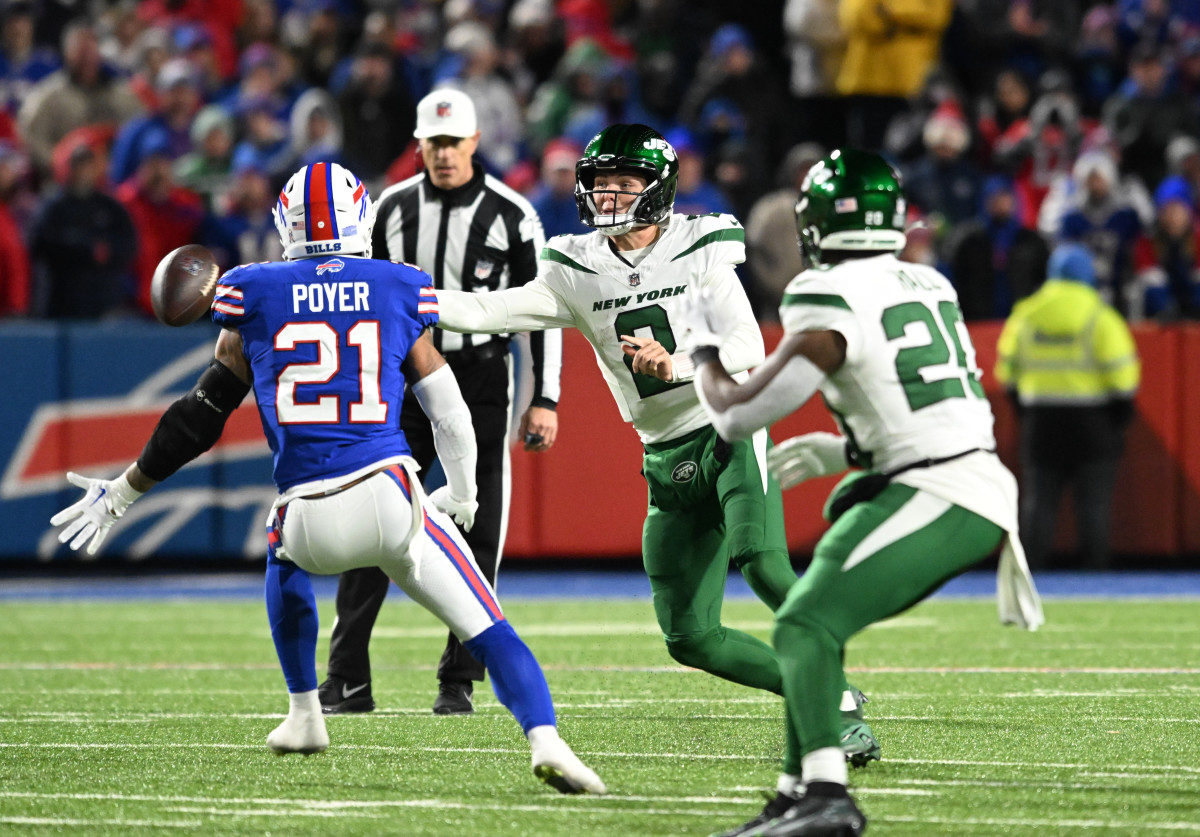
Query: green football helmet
(851, 201)
(635, 148)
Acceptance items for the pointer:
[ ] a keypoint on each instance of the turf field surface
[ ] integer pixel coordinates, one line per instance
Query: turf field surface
(149, 716)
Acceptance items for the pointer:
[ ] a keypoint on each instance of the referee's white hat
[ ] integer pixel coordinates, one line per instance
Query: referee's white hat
(445, 113)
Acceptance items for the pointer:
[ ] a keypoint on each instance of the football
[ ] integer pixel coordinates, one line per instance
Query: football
(184, 284)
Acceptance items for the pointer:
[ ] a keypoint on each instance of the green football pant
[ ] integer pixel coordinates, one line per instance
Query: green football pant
(686, 553)
(879, 559)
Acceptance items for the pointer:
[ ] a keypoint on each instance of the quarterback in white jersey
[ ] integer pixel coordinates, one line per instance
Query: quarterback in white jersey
(625, 287)
(883, 341)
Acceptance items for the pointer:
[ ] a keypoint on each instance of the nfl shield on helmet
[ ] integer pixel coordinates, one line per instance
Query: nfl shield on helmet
(851, 200)
(629, 148)
(324, 210)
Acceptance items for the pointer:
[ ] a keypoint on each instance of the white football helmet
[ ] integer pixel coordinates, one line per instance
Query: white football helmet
(324, 210)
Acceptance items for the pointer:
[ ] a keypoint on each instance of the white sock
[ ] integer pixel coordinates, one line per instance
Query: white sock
(302, 704)
(542, 736)
(790, 784)
(827, 764)
(849, 704)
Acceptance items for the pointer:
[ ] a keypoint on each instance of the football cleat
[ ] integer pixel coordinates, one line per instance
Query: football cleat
(774, 808)
(305, 734)
(859, 699)
(555, 763)
(340, 696)
(454, 698)
(859, 743)
(817, 816)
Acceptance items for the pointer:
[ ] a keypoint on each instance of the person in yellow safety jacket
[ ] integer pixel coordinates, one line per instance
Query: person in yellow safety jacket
(1068, 360)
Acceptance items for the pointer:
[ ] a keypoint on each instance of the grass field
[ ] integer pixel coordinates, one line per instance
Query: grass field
(150, 716)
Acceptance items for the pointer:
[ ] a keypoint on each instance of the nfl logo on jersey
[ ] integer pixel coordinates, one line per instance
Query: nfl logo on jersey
(635, 279)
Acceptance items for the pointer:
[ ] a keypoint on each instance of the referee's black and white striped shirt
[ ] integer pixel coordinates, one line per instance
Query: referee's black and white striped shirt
(480, 236)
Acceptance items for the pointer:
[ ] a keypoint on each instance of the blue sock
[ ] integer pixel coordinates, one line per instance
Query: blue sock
(517, 679)
(292, 611)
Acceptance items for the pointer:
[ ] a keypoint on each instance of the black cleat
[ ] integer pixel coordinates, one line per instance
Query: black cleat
(340, 696)
(817, 815)
(773, 809)
(454, 698)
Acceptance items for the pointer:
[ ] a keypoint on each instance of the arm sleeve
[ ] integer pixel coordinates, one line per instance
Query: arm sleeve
(743, 347)
(532, 307)
(545, 346)
(1117, 354)
(1006, 353)
(453, 434)
(787, 392)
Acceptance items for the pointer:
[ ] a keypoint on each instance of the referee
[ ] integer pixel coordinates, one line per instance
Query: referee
(469, 232)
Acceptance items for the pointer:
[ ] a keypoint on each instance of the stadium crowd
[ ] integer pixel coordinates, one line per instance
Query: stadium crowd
(130, 128)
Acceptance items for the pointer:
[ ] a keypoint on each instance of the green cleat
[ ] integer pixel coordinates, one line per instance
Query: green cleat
(859, 744)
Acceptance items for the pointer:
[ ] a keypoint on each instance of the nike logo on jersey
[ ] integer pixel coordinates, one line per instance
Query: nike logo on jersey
(348, 692)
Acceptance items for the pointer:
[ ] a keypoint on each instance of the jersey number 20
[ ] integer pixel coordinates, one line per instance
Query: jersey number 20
(326, 409)
(911, 360)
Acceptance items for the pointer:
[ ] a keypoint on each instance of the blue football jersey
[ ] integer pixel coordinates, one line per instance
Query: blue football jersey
(325, 338)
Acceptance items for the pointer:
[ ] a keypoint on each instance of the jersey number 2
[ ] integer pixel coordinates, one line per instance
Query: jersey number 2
(911, 360)
(326, 409)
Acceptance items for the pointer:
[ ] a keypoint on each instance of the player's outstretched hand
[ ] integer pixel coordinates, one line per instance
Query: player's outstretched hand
(801, 458)
(463, 511)
(702, 322)
(102, 505)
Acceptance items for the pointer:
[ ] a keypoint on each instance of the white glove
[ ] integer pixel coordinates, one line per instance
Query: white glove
(801, 458)
(702, 323)
(92, 517)
(463, 511)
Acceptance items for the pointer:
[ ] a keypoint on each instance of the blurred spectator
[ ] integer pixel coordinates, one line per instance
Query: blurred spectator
(943, 181)
(243, 231)
(378, 114)
(265, 144)
(259, 23)
(22, 63)
(15, 277)
(1166, 259)
(576, 84)
(206, 169)
(993, 260)
(1043, 148)
(733, 73)
(495, 101)
(153, 52)
(1070, 363)
(1183, 159)
(1145, 114)
(536, 36)
(259, 77)
(1006, 107)
(554, 196)
(315, 130)
(904, 139)
(178, 99)
(82, 245)
(1099, 215)
(816, 46)
(120, 32)
(891, 45)
(319, 37)
(1097, 67)
(165, 214)
(773, 256)
(1041, 33)
(1149, 22)
(83, 92)
(695, 194)
(194, 44)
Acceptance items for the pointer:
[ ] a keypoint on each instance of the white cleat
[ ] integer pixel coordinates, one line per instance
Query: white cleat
(299, 734)
(557, 765)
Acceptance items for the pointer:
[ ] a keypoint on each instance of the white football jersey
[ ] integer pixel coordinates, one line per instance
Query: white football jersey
(583, 282)
(909, 389)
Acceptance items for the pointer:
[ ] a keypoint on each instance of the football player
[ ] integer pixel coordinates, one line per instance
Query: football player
(328, 338)
(884, 343)
(710, 501)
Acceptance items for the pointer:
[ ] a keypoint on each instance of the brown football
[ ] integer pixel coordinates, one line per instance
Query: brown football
(184, 284)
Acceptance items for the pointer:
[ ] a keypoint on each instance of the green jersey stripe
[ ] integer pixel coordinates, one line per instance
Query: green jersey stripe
(733, 234)
(552, 255)
(830, 300)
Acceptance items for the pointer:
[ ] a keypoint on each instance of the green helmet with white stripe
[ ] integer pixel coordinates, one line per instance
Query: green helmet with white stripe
(628, 148)
(851, 201)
